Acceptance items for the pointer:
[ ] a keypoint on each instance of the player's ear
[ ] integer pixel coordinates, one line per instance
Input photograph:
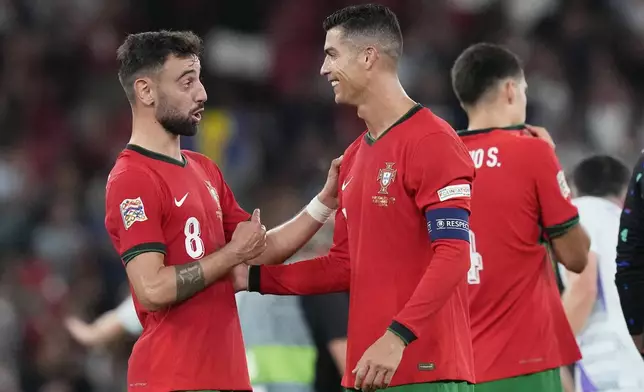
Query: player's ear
(143, 89)
(370, 55)
(510, 90)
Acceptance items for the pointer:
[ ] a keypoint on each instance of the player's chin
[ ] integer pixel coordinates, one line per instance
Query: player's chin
(339, 99)
(192, 130)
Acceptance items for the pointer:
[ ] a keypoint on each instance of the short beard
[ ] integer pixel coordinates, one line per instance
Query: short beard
(174, 123)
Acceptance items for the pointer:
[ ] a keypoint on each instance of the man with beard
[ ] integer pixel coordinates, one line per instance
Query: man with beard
(179, 230)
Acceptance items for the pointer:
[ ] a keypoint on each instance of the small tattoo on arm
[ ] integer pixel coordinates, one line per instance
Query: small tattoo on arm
(190, 280)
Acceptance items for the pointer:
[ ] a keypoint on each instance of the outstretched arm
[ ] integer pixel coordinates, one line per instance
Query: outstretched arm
(326, 274)
(284, 240)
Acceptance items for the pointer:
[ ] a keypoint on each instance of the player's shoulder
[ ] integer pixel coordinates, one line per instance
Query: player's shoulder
(201, 159)
(596, 207)
(426, 123)
(196, 156)
(351, 151)
(128, 165)
(533, 144)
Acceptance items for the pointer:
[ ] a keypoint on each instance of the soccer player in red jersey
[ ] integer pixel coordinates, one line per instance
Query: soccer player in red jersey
(406, 175)
(179, 230)
(519, 329)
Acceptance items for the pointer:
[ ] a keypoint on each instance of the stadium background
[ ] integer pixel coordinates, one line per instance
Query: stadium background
(271, 124)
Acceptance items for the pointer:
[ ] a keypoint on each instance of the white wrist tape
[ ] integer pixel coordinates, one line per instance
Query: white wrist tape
(318, 211)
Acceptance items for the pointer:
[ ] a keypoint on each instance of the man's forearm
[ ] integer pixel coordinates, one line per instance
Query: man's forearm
(447, 270)
(180, 282)
(283, 241)
(326, 274)
(578, 304)
(338, 350)
(286, 239)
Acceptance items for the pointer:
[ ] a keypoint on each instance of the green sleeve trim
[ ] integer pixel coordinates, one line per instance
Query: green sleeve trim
(562, 228)
(134, 251)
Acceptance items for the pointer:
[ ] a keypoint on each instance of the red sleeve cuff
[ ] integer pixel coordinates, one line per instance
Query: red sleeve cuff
(402, 332)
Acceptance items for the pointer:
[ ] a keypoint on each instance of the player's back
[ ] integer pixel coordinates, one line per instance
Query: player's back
(515, 311)
(610, 360)
(185, 211)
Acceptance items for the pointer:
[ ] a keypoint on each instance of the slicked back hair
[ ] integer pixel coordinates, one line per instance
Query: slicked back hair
(369, 21)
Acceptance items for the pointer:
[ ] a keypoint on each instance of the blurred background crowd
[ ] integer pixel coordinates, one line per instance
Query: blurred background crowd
(271, 124)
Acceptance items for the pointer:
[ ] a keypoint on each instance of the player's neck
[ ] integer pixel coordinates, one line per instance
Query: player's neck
(487, 117)
(152, 136)
(383, 106)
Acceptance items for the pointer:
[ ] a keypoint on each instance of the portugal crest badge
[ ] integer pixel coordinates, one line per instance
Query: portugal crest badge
(215, 195)
(386, 176)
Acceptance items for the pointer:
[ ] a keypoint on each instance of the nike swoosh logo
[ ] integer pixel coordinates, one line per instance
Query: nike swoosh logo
(179, 203)
(346, 184)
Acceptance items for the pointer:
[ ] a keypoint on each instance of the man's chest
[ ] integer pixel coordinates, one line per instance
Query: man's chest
(373, 185)
(193, 219)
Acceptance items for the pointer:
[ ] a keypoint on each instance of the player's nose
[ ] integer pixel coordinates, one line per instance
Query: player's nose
(324, 69)
(201, 96)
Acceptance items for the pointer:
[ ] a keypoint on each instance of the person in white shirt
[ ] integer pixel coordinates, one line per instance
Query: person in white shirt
(610, 360)
(111, 326)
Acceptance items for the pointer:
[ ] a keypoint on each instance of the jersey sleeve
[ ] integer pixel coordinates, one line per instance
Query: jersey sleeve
(326, 274)
(630, 252)
(233, 214)
(441, 177)
(558, 214)
(134, 214)
(440, 173)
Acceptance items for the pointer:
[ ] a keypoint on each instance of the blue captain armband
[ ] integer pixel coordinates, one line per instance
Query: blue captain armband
(448, 224)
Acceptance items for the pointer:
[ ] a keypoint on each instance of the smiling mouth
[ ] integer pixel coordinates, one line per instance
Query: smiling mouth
(335, 83)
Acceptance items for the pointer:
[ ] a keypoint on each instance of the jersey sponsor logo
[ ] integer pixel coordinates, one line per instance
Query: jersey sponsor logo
(179, 203)
(563, 184)
(215, 195)
(453, 191)
(386, 177)
(448, 223)
(345, 184)
(132, 210)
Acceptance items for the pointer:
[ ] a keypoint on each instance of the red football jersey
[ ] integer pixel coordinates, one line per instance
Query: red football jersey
(184, 210)
(520, 197)
(398, 279)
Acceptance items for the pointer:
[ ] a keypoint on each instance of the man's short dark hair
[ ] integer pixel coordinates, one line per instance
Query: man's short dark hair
(147, 52)
(479, 68)
(601, 176)
(372, 21)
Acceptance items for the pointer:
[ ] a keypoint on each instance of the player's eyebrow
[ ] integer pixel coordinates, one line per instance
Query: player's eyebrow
(186, 72)
(330, 50)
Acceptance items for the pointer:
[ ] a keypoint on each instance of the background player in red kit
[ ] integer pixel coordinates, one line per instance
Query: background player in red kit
(407, 173)
(180, 231)
(520, 333)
